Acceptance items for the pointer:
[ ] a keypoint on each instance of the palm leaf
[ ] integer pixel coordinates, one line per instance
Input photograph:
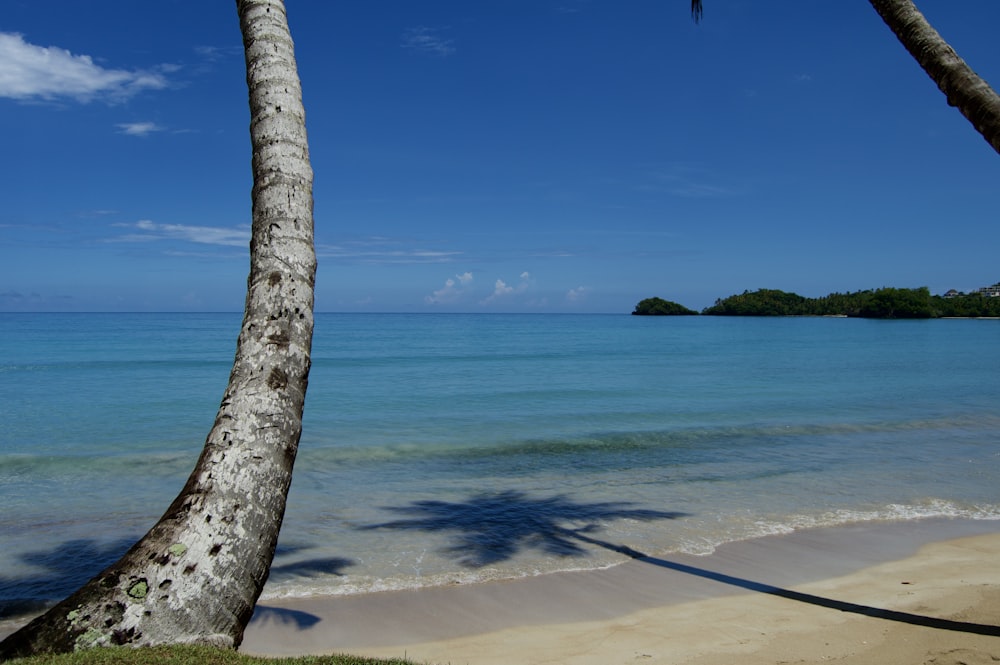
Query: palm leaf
(696, 10)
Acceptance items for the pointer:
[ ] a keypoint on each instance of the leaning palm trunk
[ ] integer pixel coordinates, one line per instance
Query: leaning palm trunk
(964, 89)
(195, 577)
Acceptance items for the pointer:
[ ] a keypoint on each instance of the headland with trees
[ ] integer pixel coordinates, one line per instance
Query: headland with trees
(883, 303)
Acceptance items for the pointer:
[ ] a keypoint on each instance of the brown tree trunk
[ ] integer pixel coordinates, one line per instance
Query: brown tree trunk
(196, 576)
(964, 89)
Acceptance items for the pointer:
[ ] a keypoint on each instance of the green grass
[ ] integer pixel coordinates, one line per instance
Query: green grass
(192, 655)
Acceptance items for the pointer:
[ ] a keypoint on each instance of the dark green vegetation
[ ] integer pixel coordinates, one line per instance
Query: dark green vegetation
(884, 303)
(191, 655)
(661, 307)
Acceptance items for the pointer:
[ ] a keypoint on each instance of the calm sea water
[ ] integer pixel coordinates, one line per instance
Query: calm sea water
(458, 448)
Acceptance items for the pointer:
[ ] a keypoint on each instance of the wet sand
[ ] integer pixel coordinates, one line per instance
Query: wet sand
(914, 592)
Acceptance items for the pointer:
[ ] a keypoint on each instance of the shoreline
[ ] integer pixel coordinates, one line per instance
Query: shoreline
(928, 582)
(896, 593)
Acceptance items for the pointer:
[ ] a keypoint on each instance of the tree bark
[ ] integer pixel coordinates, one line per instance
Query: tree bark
(965, 90)
(196, 575)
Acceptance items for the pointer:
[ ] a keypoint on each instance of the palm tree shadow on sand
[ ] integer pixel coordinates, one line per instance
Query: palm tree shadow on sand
(301, 620)
(58, 571)
(492, 527)
(68, 565)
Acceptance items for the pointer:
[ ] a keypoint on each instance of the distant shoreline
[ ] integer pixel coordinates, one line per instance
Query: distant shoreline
(884, 303)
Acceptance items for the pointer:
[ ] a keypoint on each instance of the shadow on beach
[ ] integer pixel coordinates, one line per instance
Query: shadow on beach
(61, 571)
(493, 527)
(301, 620)
(820, 601)
(71, 564)
(485, 529)
(326, 566)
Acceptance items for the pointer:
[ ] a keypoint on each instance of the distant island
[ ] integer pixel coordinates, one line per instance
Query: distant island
(884, 303)
(661, 307)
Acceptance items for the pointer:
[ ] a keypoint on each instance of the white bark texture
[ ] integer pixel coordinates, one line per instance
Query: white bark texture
(965, 90)
(196, 576)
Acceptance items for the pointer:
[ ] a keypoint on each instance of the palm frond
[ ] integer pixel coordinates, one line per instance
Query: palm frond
(696, 10)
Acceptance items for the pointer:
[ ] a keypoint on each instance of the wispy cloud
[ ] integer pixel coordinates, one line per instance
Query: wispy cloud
(139, 128)
(148, 231)
(30, 72)
(688, 181)
(571, 6)
(33, 300)
(216, 53)
(427, 40)
(701, 190)
(12, 296)
(577, 294)
(210, 57)
(378, 250)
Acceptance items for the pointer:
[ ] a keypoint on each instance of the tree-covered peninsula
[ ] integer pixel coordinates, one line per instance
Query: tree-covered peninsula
(884, 303)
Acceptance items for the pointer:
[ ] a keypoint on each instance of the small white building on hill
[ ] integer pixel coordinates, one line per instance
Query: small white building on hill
(990, 291)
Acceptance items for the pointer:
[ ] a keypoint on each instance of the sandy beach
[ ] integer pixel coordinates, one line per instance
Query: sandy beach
(903, 593)
(915, 592)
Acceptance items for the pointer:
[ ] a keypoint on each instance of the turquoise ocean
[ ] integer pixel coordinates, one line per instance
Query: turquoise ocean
(452, 448)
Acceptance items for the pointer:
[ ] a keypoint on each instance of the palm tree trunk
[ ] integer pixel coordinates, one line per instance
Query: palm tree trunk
(196, 576)
(964, 89)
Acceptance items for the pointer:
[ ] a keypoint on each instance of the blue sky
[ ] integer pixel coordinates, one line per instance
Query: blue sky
(497, 155)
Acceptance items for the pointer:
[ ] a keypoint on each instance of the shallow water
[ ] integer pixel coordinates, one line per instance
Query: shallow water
(443, 448)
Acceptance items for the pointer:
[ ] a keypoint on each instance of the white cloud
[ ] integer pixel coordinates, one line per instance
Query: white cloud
(31, 72)
(451, 291)
(207, 235)
(427, 40)
(577, 294)
(446, 294)
(139, 128)
(502, 289)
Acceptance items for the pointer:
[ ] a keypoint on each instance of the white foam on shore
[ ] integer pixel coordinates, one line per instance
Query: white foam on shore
(703, 544)
(932, 509)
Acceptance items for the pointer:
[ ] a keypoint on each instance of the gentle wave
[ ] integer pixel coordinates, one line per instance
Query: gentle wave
(760, 528)
(291, 586)
(701, 440)
(109, 463)
(118, 366)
